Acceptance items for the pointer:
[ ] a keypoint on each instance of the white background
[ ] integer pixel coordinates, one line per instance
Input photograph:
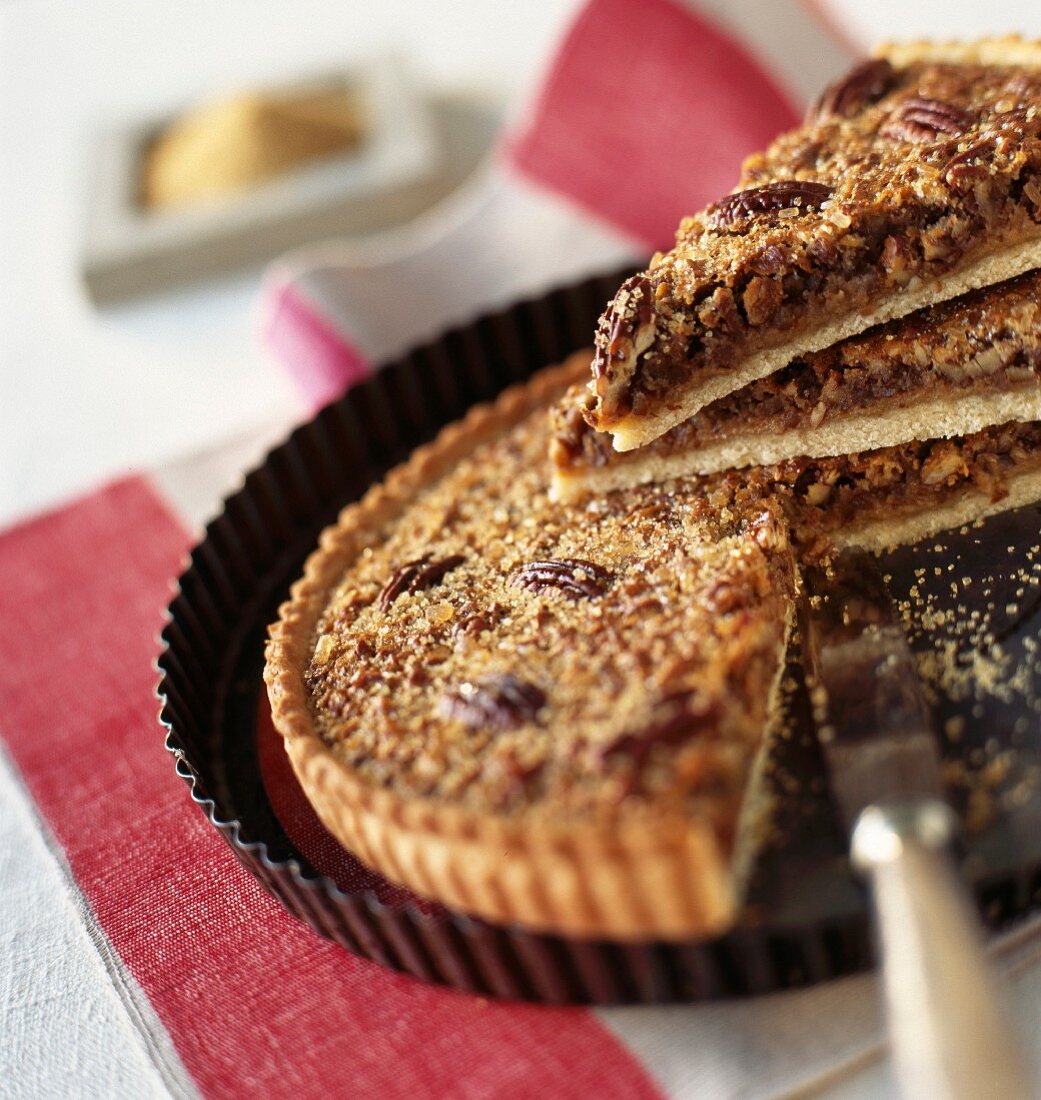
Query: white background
(85, 394)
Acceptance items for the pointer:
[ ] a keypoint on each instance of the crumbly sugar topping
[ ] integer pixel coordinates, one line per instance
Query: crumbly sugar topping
(967, 603)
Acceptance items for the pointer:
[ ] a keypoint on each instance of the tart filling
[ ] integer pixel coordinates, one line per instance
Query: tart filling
(895, 495)
(915, 179)
(946, 371)
(531, 712)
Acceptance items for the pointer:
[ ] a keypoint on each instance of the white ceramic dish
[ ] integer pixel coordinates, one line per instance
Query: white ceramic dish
(129, 249)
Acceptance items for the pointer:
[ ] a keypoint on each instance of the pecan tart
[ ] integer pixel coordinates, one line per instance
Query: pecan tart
(947, 371)
(557, 715)
(914, 180)
(537, 713)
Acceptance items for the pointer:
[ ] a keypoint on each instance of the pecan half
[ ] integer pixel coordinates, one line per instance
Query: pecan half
(1032, 193)
(414, 576)
(896, 256)
(742, 206)
(971, 166)
(924, 120)
(945, 464)
(573, 576)
(768, 260)
(864, 85)
(761, 299)
(496, 702)
(725, 597)
(627, 326)
(515, 774)
(477, 621)
(1020, 84)
(676, 719)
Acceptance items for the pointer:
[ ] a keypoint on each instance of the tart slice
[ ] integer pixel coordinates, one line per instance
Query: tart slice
(534, 713)
(895, 495)
(950, 370)
(914, 180)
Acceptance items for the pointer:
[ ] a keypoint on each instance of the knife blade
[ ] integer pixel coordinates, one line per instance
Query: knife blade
(949, 1031)
(872, 719)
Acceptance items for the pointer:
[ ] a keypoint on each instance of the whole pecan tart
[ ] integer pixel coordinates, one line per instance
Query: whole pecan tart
(913, 180)
(536, 713)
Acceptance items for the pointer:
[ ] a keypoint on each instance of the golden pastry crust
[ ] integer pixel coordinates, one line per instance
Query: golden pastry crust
(947, 371)
(1010, 50)
(909, 183)
(531, 714)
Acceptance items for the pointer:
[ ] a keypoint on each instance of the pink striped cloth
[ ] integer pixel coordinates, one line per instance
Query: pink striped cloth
(643, 116)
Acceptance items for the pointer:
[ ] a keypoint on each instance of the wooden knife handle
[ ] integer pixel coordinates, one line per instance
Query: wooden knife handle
(949, 1032)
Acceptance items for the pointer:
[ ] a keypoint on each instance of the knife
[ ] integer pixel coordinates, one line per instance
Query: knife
(949, 1032)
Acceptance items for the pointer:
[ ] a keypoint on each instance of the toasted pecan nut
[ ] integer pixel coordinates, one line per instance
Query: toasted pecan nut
(478, 621)
(944, 463)
(414, 576)
(626, 328)
(971, 166)
(897, 257)
(1032, 192)
(496, 702)
(923, 120)
(864, 85)
(676, 718)
(741, 207)
(572, 576)
(761, 299)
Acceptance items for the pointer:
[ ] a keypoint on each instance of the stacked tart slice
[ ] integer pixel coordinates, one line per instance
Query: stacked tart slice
(540, 689)
(914, 180)
(946, 371)
(786, 328)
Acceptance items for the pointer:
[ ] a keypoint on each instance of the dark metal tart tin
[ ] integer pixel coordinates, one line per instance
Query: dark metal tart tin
(805, 920)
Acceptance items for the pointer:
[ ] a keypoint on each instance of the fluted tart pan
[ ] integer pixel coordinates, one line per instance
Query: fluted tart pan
(805, 920)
